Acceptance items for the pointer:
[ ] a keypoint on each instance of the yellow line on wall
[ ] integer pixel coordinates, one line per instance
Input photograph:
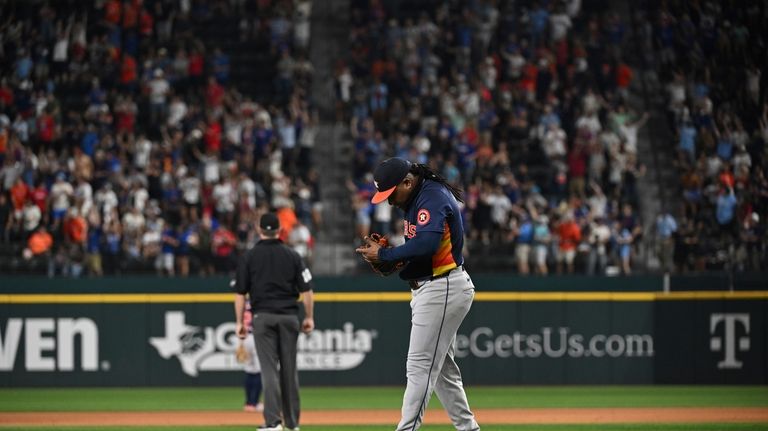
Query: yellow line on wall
(362, 296)
(114, 298)
(698, 294)
(157, 298)
(564, 296)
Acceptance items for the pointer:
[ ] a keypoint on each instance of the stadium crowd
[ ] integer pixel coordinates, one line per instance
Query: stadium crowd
(125, 145)
(710, 60)
(524, 105)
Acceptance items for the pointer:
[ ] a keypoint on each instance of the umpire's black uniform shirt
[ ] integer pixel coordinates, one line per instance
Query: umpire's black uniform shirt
(273, 275)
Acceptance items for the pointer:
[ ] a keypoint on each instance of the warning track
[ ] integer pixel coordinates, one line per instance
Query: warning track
(376, 417)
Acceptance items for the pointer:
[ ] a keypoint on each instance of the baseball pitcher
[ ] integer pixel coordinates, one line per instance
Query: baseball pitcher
(442, 291)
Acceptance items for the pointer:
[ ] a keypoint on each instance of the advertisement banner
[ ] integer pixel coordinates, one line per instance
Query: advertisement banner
(558, 342)
(712, 342)
(186, 344)
(365, 343)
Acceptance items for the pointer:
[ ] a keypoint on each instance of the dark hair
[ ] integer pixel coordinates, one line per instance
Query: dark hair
(426, 172)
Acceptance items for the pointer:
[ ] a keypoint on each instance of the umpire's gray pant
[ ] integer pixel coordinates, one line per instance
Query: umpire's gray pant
(276, 336)
(437, 309)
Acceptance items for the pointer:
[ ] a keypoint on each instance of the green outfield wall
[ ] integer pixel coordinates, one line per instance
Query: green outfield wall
(578, 330)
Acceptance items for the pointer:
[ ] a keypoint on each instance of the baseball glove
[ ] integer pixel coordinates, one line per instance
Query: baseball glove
(384, 268)
(241, 354)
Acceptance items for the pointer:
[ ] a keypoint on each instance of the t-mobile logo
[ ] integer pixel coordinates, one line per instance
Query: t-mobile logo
(716, 343)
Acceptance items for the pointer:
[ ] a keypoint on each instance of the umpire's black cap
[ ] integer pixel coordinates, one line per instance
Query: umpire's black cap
(269, 223)
(387, 176)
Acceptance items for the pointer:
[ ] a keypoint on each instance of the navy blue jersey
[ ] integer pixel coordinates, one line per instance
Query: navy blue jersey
(434, 234)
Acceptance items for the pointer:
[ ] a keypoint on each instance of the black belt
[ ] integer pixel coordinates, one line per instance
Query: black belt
(414, 284)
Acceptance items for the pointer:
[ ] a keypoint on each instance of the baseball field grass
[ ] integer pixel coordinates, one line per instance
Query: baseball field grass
(333, 398)
(342, 400)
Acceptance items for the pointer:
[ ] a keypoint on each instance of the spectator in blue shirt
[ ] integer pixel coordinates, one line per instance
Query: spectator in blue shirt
(726, 209)
(549, 116)
(93, 250)
(97, 95)
(542, 239)
(524, 233)
(168, 251)
(221, 67)
(262, 136)
(725, 148)
(111, 246)
(24, 66)
(539, 18)
(89, 141)
(688, 140)
(467, 153)
(378, 96)
(184, 248)
(624, 243)
(666, 226)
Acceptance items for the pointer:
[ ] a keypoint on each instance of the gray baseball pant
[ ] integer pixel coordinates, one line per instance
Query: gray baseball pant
(437, 309)
(276, 336)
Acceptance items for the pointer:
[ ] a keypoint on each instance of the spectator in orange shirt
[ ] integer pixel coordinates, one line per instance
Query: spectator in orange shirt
(214, 94)
(195, 67)
(39, 245)
(224, 242)
(39, 196)
(75, 227)
(40, 242)
(3, 142)
(113, 12)
(570, 235)
(726, 176)
(75, 230)
(19, 195)
(130, 15)
(623, 79)
(288, 220)
(46, 128)
(213, 134)
(146, 23)
(128, 74)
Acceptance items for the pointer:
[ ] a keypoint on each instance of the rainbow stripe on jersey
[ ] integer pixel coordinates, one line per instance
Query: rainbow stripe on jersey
(443, 261)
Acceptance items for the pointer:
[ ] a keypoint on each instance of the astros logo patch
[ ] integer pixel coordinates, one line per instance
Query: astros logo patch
(422, 217)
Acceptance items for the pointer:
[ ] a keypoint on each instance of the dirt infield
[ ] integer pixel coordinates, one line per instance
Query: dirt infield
(376, 417)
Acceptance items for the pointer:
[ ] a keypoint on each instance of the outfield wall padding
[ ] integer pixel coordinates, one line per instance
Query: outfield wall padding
(130, 335)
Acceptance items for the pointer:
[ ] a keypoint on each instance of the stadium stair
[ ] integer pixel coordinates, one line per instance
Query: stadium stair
(660, 185)
(334, 249)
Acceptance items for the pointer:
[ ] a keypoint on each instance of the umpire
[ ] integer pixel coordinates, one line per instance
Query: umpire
(274, 276)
